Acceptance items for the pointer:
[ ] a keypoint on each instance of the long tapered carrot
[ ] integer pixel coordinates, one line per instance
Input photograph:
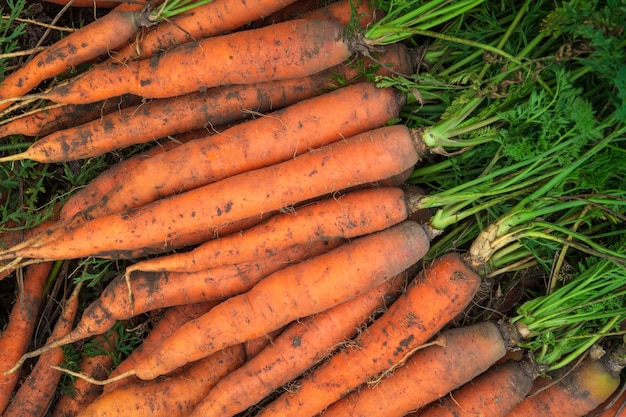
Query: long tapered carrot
(170, 320)
(383, 152)
(298, 348)
(149, 291)
(91, 41)
(36, 392)
(175, 396)
(575, 392)
(441, 291)
(253, 144)
(297, 291)
(492, 394)
(286, 50)
(53, 117)
(460, 355)
(354, 214)
(15, 338)
(218, 106)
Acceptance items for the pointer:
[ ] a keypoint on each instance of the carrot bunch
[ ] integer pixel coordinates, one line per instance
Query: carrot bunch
(265, 228)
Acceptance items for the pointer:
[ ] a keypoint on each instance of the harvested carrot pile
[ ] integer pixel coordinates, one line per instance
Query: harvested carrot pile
(305, 208)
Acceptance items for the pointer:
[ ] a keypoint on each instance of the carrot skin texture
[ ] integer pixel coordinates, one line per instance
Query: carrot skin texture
(76, 48)
(16, 336)
(171, 319)
(175, 396)
(254, 144)
(428, 374)
(354, 214)
(291, 293)
(299, 347)
(37, 392)
(300, 48)
(439, 292)
(578, 393)
(492, 394)
(153, 291)
(383, 152)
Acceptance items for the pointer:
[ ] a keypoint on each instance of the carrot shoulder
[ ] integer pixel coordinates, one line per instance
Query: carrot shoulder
(382, 153)
(439, 292)
(286, 50)
(15, 338)
(458, 356)
(297, 291)
(298, 348)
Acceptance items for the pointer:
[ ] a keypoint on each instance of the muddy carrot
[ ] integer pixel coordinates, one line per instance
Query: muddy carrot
(297, 349)
(440, 291)
(16, 337)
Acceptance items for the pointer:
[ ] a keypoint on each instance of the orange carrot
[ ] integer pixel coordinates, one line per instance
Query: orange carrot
(492, 394)
(15, 338)
(170, 320)
(175, 396)
(442, 290)
(152, 291)
(91, 41)
(299, 347)
(14, 237)
(341, 11)
(382, 153)
(277, 137)
(573, 392)
(254, 346)
(35, 394)
(218, 106)
(83, 392)
(286, 50)
(53, 117)
(458, 356)
(342, 216)
(297, 291)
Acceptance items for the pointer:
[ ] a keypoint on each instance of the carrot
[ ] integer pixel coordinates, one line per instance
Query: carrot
(354, 214)
(441, 290)
(83, 392)
(91, 41)
(151, 291)
(278, 137)
(342, 11)
(383, 152)
(170, 320)
(254, 346)
(15, 338)
(297, 349)
(457, 356)
(219, 106)
(286, 50)
(574, 391)
(109, 179)
(492, 394)
(297, 291)
(14, 237)
(50, 118)
(35, 394)
(614, 406)
(174, 396)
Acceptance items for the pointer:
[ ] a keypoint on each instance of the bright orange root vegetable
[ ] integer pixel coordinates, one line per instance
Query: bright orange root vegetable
(458, 356)
(572, 394)
(383, 153)
(492, 394)
(297, 349)
(441, 291)
(15, 338)
(286, 50)
(297, 291)
(175, 396)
